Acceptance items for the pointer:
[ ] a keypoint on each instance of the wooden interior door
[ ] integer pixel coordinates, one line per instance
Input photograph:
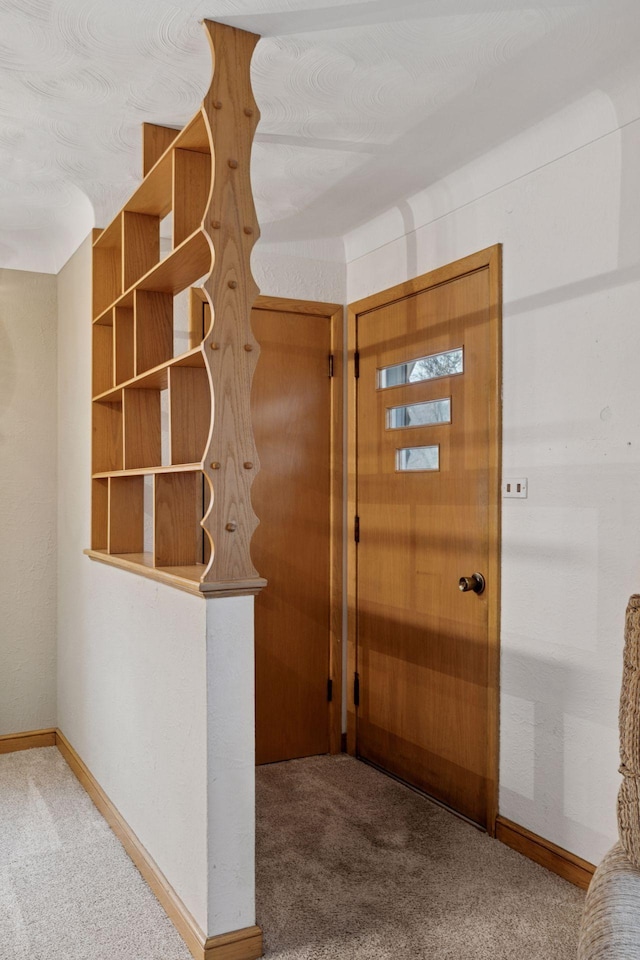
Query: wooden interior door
(292, 399)
(427, 652)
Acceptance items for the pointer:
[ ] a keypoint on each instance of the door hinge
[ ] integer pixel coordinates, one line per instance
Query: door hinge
(330, 364)
(329, 689)
(356, 364)
(356, 529)
(356, 690)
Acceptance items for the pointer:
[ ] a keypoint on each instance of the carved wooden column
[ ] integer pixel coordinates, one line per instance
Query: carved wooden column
(230, 349)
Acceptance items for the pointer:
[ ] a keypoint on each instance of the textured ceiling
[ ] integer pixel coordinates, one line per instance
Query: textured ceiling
(362, 102)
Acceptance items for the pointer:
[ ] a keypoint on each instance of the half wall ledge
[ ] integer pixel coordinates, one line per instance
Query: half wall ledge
(186, 579)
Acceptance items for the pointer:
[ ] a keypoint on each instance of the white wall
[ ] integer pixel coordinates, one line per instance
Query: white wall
(305, 271)
(231, 759)
(27, 501)
(131, 652)
(155, 687)
(568, 218)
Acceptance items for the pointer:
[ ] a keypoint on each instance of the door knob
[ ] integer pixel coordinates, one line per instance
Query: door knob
(475, 582)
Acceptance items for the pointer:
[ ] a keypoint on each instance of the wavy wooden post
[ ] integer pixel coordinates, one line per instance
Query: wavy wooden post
(230, 349)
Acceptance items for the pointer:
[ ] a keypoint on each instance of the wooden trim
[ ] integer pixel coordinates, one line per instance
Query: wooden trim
(184, 578)
(28, 740)
(556, 859)
(336, 584)
(232, 588)
(189, 584)
(352, 509)
(243, 944)
(451, 271)
(237, 945)
(173, 906)
(311, 308)
(334, 313)
(150, 471)
(494, 404)
(491, 258)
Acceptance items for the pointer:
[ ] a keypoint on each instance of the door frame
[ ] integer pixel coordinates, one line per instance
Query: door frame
(490, 258)
(334, 313)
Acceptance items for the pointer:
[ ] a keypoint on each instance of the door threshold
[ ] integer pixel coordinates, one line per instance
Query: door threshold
(421, 793)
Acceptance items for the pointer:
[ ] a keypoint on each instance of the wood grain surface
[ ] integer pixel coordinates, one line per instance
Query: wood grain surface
(427, 653)
(156, 140)
(567, 865)
(231, 115)
(291, 401)
(214, 228)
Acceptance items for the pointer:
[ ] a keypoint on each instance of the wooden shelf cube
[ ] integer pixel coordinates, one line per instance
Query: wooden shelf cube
(199, 316)
(140, 245)
(153, 329)
(177, 535)
(103, 371)
(126, 515)
(99, 514)
(107, 436)
(189, 413)
(107, 267)
(155, 141)
(124, 344)
(142, 445)
(191, 186)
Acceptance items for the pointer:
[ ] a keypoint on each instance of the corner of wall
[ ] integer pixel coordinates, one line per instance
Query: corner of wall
(28, 528)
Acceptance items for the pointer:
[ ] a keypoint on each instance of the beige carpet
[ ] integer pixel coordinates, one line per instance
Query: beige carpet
(68, 891)
(354, 866)
(351, 866)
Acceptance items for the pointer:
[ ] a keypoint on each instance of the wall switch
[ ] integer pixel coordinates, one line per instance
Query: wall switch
(515, 488)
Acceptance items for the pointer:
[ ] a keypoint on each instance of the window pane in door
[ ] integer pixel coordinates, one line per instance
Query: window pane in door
(418, 458)
(419, 414)
(424, 368)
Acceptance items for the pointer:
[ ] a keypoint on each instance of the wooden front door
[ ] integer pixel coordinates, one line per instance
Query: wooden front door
(427, 408)
(297, 435)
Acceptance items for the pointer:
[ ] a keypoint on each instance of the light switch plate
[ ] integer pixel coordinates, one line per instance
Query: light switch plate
(518, 487)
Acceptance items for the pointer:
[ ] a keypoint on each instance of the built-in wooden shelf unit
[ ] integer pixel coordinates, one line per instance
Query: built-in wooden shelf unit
(173, 453)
